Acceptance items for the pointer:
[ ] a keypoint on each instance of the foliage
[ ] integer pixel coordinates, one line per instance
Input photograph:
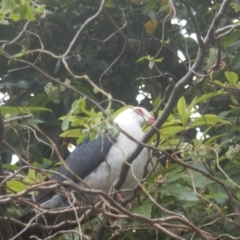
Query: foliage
(71, 68)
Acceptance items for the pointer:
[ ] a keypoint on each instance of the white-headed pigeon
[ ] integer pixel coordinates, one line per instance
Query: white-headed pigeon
(98, 163)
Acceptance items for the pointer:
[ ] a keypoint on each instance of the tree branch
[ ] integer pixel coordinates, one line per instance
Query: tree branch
(5, 230)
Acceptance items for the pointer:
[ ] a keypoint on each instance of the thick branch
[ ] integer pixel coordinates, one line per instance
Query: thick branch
(175, 95)
(221, 32)
(194, 23)
(215, 22)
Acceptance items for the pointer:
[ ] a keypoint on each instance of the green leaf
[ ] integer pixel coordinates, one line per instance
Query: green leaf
(29, 12)
(72, 118)
(6, 6)
(20, 110)
(156, 101)
(35, 109)
(171, 130)
(142, 58)
(218, 197)
(110, 4)
(40, 99)
(232, 77)
(218, 83)
(212, 139)
(16, 186)
(75, 105)
(46, 163)
(231, 48)
(145, 210)
(183, 111)
(172, 122)
(90, 113)
(14, 17)
(236, 64)
(166, 144)
(229, 39)
(26, 12)
(32, 121)
(79, 106)
(234, 107)
(81, 138)
(65, 122)
(34, 177)
(192, 104)
(82, 103)
(208, 119)
(234, 100)
(83, 122)
(21, 54)
(179, 192)
(200, 181)
(150, 5)
(158, 60)
(182, 107)
(95, 90)
(207, 96)
(11, 167)
(71, 133)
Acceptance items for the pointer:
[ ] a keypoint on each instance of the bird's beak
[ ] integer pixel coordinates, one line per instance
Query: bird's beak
(151, 120)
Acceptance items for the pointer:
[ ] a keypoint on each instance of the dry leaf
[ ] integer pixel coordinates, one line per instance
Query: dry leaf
(151, 26)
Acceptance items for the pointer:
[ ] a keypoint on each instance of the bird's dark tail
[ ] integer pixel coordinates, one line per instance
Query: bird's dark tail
(28, 228)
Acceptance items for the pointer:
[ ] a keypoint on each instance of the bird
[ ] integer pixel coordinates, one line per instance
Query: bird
(98, 163)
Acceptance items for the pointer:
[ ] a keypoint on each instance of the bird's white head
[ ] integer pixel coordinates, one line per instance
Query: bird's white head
(138, 114)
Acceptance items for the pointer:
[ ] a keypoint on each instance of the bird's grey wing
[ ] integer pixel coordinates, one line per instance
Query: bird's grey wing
(85, 158)
(82, 161)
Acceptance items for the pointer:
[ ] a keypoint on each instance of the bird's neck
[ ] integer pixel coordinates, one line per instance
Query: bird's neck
(130, 127)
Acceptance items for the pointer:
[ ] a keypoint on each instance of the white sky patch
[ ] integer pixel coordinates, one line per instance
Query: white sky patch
(184, 32)
(174, 21)
(193, 36)
(142, 94)
(183, 23)
(195, 115)
(180, 23)
(15, 159)
(140, 97)
(3, 97)
(71, 147)
(181, 56)
(199, 134)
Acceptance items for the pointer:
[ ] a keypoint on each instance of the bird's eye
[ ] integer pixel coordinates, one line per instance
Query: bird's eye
(139, 111)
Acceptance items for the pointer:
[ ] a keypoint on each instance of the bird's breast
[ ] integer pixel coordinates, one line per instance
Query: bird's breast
(104, 176)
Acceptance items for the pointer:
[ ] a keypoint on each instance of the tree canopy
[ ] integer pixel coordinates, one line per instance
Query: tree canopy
(68, 67)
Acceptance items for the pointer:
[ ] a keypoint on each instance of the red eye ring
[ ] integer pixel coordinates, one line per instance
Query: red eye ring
(139, 111)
